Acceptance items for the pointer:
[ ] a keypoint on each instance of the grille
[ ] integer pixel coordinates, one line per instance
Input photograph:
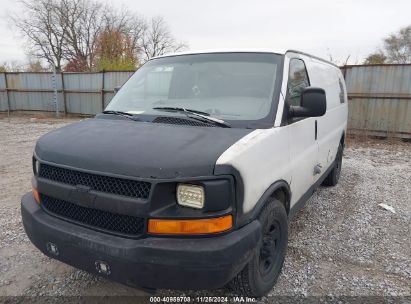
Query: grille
(181, 121)
(96, 182)
(118, 223)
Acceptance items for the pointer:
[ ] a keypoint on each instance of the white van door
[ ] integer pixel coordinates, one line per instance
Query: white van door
(303, 143)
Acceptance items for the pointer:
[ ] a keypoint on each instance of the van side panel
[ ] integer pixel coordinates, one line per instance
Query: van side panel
(291, 152)
(261, 157)
(332, 125)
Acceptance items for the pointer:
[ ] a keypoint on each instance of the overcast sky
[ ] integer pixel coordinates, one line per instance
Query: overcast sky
(319, 27)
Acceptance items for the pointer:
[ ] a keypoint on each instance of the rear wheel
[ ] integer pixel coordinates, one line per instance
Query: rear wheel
(261, 273)
(333, 177)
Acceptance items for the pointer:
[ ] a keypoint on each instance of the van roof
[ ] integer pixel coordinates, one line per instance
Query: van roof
(272, 51)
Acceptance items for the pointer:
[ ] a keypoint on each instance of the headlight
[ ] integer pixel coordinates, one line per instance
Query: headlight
(190, 196)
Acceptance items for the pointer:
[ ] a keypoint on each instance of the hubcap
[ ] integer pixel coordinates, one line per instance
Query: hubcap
(269, 248)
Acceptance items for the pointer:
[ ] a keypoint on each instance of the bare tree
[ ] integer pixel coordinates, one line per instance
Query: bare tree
(132, 26)
(61, 31)
(398, 46)
(42, 27)
(136, 30)
(158, 40)
(35, 66)
(67, 32)
(83, 21)
(337, 62)
(86, 20)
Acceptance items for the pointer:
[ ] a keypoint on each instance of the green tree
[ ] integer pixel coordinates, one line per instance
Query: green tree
(398, 46)
(3, 69)
(115, 51)
(376, 58)
(396, 49)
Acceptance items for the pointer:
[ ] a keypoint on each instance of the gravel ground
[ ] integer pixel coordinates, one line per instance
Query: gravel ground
(341, 244)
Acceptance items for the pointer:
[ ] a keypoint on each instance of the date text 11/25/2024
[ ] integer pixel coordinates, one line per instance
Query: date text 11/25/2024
(201, 299)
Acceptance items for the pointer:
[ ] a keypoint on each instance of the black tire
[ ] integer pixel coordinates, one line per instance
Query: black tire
(260, 275)
(333, 177)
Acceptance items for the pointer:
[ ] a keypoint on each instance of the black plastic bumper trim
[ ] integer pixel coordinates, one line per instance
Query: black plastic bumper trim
(151, 262)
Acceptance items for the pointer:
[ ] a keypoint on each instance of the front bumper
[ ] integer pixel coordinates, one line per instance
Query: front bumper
(153, 262)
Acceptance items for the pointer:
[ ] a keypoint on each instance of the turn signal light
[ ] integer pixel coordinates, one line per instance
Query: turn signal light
(36, 195)
(197, 226)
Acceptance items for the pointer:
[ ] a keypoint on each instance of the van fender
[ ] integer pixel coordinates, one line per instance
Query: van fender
(245, 218)
(266, 197)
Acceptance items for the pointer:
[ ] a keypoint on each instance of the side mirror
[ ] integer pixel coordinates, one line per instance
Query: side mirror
(313, 103)
(116, 89)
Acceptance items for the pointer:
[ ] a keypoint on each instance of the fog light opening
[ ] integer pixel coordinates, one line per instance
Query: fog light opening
(102, 267)
(52, 248)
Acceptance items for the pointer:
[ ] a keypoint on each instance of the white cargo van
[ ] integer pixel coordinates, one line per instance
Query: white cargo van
(190, 176)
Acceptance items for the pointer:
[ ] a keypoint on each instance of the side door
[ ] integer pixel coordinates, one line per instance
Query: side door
(303, 142)
(331, 125)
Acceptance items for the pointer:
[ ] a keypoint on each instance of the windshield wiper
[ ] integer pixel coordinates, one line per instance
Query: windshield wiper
(179, 109)
(197, 114)
(120, 113)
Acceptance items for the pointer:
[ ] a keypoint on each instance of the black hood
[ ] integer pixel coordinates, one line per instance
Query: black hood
(138, 149)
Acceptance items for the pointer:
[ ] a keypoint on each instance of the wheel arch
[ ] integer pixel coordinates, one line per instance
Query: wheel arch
(342, 140)
(279, 190)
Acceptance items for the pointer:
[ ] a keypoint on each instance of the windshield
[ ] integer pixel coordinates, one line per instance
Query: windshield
(227, 86)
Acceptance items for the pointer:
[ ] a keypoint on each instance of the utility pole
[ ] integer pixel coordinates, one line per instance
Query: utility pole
(55, 96)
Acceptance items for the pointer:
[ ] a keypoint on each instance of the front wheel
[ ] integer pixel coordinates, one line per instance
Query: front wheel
(261, 273)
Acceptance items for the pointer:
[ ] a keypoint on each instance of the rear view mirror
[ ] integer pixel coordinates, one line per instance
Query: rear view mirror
(313, 103)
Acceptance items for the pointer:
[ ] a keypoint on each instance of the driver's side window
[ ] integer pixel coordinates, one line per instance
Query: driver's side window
(297, 81)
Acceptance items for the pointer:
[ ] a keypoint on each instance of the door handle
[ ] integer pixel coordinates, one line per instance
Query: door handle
(316, 129)
(317, 169)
